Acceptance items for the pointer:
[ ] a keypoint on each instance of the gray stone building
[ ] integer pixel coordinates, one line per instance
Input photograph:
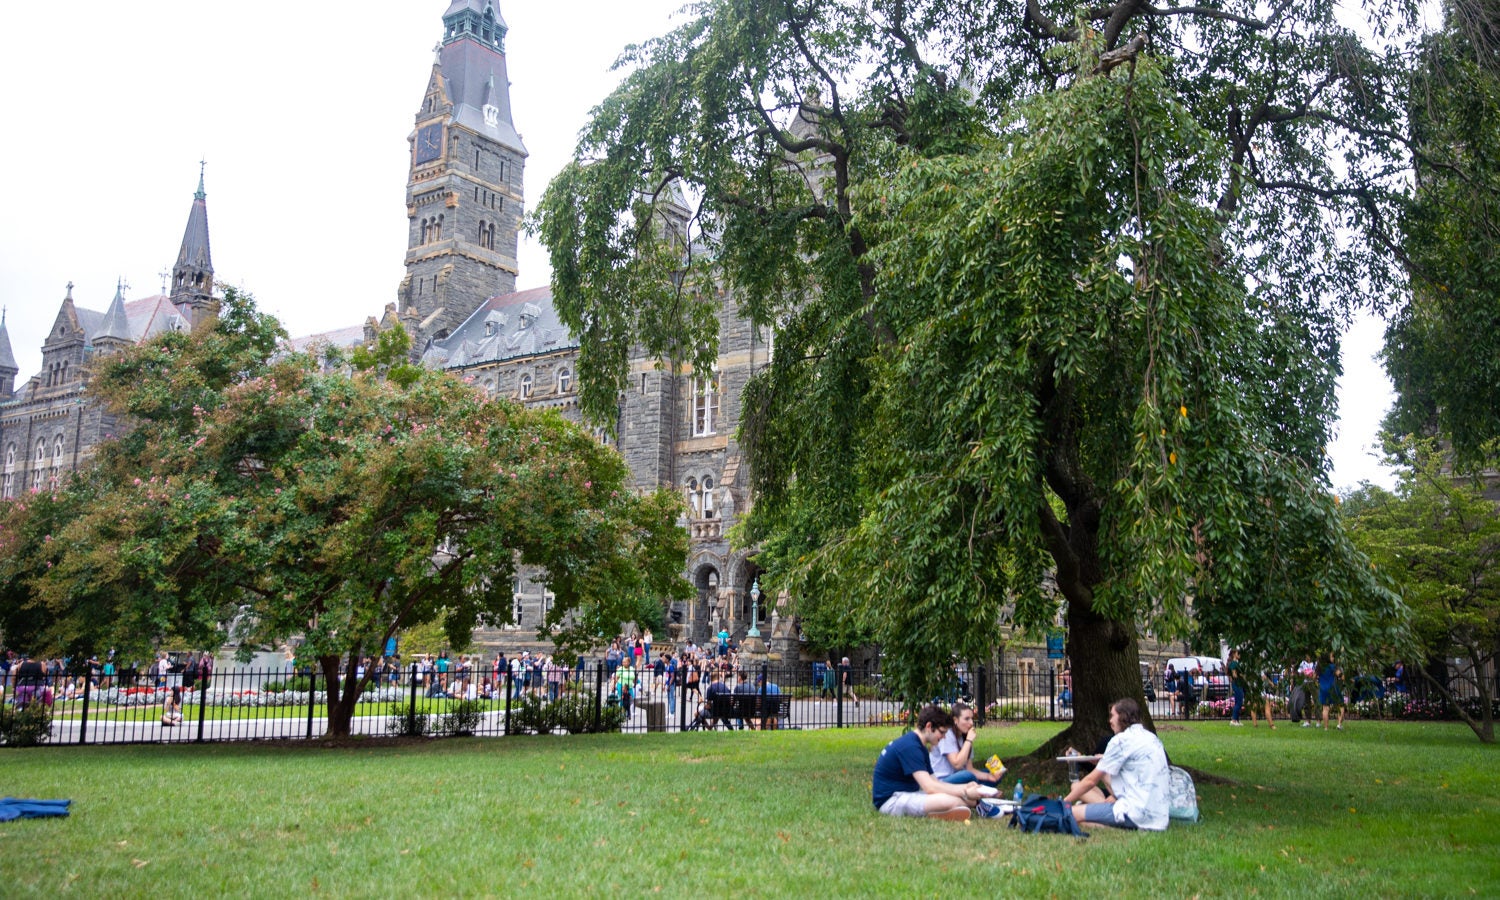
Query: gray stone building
(458, 300)
(48, 426)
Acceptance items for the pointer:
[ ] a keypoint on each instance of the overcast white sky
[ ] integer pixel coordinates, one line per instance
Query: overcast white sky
(302, 112)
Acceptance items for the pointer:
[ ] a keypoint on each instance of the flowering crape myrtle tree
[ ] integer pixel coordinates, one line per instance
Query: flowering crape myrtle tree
(1053, 290)
(338, 504)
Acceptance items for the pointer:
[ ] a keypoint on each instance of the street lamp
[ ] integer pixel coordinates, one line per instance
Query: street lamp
(754, 608)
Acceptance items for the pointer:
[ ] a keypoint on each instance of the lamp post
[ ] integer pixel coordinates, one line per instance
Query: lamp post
(754, 632)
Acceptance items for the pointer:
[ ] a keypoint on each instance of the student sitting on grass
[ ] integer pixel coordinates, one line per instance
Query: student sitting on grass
(903, 783)
(953, 758)
(1135, 764)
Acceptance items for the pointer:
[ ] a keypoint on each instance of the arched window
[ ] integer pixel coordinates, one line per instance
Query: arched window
(564, 380)
(57, 451)
(10, 485)
(10, 455)
(437, 229)
(695, 511)
(41, 450)
(525, 387)
(708, 498)
(480, 239)
(424, 232)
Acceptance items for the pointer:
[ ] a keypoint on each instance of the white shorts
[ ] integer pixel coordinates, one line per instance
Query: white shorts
(905, 803)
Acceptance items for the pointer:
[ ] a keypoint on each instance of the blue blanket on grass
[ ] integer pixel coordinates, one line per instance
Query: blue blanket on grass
(16, 808)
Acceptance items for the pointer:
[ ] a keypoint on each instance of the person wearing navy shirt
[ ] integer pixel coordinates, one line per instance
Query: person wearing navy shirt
(903, 783)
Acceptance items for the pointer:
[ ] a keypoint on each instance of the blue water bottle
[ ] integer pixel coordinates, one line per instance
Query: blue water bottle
(1020, 791)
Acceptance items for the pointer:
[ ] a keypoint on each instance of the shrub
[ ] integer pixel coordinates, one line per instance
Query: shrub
(409, 723)
(300, 684)
(535, 714)
(462, 718)
(1030, 712)
(25, 727)
(575, 714)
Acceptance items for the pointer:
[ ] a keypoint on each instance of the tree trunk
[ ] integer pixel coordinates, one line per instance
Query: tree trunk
(1105, 662)
(341, 695)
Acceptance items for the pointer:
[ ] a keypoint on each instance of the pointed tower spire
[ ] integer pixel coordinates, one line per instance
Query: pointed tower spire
(8, 368)
(114, 331)
(193, 275)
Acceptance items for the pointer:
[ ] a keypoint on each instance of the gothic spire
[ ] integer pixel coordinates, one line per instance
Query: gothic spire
(193, 275)
(116, 325)
(7, 359)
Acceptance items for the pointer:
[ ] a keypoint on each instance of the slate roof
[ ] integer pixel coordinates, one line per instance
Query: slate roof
(351, 336)
(194, 251)
(475, 75)
(7, 359)
(116, 324)
(506, 326)
(145, 318)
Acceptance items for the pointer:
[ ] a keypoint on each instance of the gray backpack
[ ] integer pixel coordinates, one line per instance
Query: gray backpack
(1182, 795)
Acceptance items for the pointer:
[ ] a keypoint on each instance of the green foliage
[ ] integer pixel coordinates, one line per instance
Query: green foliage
(409, 723)
(1442, 345)
(462, 718)
(1085, 324)
(574, 713)
(1437, 538)
(28, 726)
(390, 357)
(300, 684)
(342, 507)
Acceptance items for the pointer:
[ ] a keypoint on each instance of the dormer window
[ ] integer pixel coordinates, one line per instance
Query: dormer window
(564, 380)
(526, 387)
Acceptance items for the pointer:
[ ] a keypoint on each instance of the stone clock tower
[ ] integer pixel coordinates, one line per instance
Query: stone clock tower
(464, 195)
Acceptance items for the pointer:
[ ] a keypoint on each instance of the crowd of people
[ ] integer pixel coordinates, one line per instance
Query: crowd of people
(1258, 689)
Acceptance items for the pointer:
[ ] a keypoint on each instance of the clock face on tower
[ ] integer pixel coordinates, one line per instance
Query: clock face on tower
(429, 142)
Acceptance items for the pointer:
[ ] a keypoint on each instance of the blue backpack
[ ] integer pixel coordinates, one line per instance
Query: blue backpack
(1040, 814)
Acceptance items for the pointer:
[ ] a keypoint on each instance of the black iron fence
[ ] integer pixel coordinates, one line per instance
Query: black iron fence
(596, 696)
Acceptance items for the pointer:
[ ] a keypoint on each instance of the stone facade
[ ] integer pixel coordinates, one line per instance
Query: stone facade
(48, 426)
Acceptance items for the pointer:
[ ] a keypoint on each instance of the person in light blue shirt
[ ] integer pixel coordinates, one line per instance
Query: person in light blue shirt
(1135, 764)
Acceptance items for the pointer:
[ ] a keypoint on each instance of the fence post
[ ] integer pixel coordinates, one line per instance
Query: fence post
(411, 716)
(843, 675)
(1052, 692)
(509, 689)
(83, 723)
(312, 698)
(598, 692)
(982, 692)
(202, 705)
(762, 707)
(681, 707)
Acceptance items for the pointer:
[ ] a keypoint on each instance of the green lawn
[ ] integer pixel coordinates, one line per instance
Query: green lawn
(1382, 809)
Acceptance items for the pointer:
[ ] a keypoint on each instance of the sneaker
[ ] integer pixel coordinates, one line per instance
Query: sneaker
(1341, 728)
(1306, 724)
(987, 810)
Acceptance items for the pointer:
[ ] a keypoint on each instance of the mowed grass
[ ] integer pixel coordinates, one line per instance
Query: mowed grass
(1382, 809)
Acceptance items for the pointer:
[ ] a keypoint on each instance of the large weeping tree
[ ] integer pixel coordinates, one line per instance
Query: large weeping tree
(1054, 297)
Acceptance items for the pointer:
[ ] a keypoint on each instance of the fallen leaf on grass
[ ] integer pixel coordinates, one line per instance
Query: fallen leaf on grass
(140, 863)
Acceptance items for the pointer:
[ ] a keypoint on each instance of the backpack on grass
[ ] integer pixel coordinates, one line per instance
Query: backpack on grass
(1182, 796)
(1041, 815)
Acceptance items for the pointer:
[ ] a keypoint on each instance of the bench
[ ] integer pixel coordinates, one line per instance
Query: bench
(730, 708)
